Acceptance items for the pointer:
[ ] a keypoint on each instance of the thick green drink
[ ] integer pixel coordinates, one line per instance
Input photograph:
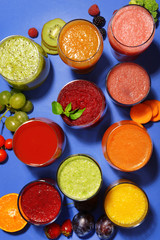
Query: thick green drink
(23, 63)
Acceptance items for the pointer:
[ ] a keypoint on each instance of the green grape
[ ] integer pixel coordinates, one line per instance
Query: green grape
(2, 107)
(27, 107)
(21, 116)
(17, 100)
(13, 91)
(12, 123)
(5, 97)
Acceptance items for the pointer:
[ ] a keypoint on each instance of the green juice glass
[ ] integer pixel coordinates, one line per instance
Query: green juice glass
(23, 63)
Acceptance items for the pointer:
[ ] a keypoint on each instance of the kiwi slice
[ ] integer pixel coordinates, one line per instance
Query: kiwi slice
(50, 32)
(48, 50)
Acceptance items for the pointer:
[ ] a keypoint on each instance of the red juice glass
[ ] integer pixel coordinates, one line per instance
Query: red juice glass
(128, 84)
(40, 202)
(130, 32)
(83, 94)
(38, 142)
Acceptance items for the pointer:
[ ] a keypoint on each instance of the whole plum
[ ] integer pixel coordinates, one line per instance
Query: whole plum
(104, 228)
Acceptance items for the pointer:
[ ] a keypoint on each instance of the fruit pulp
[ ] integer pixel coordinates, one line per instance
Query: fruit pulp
(130, 32)
(126, 146)
(80, 45)
(23, 63)
(39, 202)
(38, 142)
(79, 177)
(83, 94)
(128, 83)
(125, 204)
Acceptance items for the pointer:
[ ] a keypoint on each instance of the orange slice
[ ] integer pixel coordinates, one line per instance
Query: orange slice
(153, 104)
(10, 218)
(141, 113)
(157, 117)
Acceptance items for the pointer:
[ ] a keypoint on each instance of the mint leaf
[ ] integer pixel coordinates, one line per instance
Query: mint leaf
(77, 114)
(68, 108)
(57, 108)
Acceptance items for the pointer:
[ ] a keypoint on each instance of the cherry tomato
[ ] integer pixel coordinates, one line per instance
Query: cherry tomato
(2, 141)
(3, 155)
(8, 143)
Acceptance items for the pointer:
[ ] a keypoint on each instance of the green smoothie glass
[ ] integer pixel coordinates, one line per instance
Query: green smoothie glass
(23, 63)
(79, 178)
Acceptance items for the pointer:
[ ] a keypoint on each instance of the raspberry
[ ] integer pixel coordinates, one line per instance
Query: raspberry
(103, 32)
(53, 230)
(94, 10)
(66, 228)
(33, 32)
(99, 21)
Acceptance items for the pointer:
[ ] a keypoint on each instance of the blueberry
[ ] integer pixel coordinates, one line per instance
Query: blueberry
(104, 228)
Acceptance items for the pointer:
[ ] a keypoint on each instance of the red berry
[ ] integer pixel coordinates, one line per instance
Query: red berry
(8, 143)
(2, 141)
(33, 32)
(66, 228)
(3, 155)
(94, 10)
(53, 230)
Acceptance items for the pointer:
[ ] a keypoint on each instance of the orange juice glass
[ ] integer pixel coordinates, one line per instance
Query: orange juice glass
(80, 45)
(127, 146)
(126, 204)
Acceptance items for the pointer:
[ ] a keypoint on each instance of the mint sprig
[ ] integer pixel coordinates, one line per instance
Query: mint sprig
(72, 114)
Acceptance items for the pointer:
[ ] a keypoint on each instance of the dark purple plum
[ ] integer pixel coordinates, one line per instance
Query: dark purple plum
(83, 224)
(104, 228)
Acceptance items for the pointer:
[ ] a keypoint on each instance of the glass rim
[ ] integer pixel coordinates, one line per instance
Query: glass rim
(21, 126)
(123, 104)
(99, 46)
(100, 115)
(128, 46)
(92, 159)
(126, 181)
(34, 44)
(34, 182)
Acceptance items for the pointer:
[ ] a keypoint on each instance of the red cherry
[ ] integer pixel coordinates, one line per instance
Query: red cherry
(2, 141)
(3, 155)
(8, 143)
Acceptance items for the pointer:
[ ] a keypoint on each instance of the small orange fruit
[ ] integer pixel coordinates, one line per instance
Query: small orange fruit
(10, 218)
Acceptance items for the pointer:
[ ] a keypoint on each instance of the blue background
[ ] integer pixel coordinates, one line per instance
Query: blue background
(16, 17)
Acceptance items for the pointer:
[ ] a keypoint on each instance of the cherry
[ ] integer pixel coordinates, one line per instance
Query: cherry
(3, 155)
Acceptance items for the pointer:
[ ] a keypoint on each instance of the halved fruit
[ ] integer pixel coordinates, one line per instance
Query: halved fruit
(10, 218)
(48, 50)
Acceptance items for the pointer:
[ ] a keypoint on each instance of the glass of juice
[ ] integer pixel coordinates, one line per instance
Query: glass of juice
(130, 32)
(79, 178)
(127, 146)
(83, 94)
(23, 63)
(38, 142)
(128, 84)
(126, 204)
(80, 45)
(40, 202)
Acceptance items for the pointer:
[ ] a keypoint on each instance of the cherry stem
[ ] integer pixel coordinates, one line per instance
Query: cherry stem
(3, 115)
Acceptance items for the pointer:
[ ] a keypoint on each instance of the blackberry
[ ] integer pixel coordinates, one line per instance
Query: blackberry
(99, 21)
(103, 32)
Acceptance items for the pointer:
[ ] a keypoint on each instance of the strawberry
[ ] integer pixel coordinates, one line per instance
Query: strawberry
(66, 228)
(53, 230)
(33, 32)
(94, 10)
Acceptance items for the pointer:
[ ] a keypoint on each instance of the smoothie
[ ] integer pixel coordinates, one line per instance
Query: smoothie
(79, 177)
(126, 205)
(128, 84)
(130, 32)
(83, 94)
(38, 142)
(126, 146)
(23, 63)
(80, 45)
(39, 202)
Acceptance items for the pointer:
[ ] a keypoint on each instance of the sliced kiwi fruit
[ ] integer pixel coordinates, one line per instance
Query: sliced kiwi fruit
(48, 50)
(51, 31)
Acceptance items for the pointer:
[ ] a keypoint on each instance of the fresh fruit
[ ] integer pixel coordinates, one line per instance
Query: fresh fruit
(8, 143)
(28, 107)
(2, 141)
(141, 113)
(3, 155)
(83, 224)
(21, 116)
(104, 228)
(5, 97)
(2, 107)
(12, 123)
(10, 218)
(103, 32)
(17, 100)
(99, 21)
(94, 10)
(66, 228)
(33, 32)
(53, 230)
(49, 50)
